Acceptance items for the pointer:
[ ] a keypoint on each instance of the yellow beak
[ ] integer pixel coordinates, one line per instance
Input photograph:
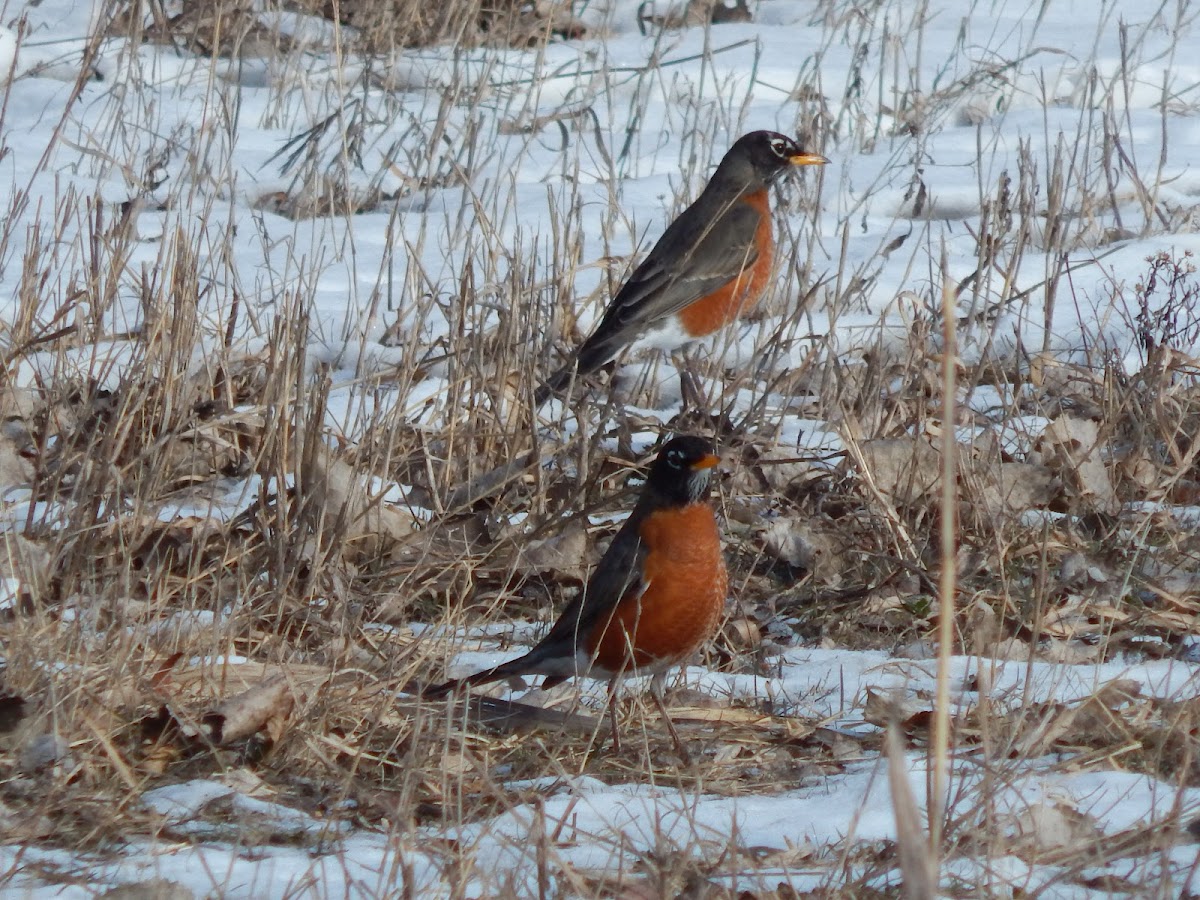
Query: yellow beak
(808, 159)
(706, 462)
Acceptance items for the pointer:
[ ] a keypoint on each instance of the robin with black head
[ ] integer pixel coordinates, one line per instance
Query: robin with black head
(654, 599)
(711, 265)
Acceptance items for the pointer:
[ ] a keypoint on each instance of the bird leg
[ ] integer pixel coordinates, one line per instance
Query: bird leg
(656, 691)
(613, 684)
(689, 389)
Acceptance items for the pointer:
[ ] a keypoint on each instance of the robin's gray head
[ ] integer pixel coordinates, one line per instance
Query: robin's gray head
(681, 472)
(758, 158)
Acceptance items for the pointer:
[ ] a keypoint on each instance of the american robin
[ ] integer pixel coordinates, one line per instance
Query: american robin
(710, 266)
(656, 596)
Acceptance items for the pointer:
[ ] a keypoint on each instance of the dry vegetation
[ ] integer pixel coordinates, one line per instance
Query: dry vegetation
(128, 601)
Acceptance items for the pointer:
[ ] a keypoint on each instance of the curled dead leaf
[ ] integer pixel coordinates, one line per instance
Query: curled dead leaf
(743, 633)
(565, 553)
(264, 707)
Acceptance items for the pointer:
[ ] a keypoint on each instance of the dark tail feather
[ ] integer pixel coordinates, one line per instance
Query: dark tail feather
(510, 669)
(523, 665)
(553, 385)
(590, 357)
(449, 687)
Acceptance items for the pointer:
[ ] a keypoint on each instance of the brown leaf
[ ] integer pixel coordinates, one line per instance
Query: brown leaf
(1010, 488)
(565, 553)
(1080, 617)
(742, 633)
(266, 706)
(349, 492)
(154, 889)
(884, 707)
(1071, 448)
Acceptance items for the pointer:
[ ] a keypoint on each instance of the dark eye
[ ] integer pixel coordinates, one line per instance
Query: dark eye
(780, 146)
(674, 458)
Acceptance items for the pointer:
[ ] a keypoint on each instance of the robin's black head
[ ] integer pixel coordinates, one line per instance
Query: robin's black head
(680, 473)
(762, 156)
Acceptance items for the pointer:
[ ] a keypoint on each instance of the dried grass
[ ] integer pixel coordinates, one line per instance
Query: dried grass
(129, 612)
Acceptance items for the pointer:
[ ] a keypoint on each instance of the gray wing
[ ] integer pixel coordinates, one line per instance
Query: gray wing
(681, 269)
(618, 574)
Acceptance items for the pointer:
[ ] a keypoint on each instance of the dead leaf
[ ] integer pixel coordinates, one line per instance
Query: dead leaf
(1046, 825)
(1080, 616)
(1092, 721)
(782, 471)
(26, 564)
(352, 493)
(1071, 448)
(455, 764)
(565, 553)
(885, 707)
(1140, 470)
(742, 633)
(1009, 488)
(265, 707)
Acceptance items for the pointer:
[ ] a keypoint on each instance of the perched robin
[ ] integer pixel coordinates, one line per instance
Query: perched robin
(655, 597)
(710, 266)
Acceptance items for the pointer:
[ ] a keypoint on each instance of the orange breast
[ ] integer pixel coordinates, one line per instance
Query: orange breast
(732, 301)
(684, 598)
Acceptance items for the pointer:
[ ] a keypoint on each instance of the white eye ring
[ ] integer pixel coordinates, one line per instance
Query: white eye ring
(779, 145)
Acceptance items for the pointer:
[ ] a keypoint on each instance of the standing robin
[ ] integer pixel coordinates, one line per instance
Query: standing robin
(710, 266)
(656, 596)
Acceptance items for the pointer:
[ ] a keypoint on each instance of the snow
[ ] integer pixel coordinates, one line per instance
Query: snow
(587, 825)
(1018, 85)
